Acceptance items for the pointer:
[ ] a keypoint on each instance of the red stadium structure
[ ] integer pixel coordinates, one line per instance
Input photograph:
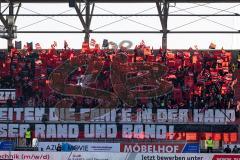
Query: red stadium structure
(115, 99)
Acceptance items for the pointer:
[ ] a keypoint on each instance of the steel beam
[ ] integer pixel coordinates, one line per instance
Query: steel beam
(80, 16)
(10, 26)
(91, 15)
(163, 9)
(4, 22)
(147, 32)
(127, 15)
(16, 15)
(9, 23)
(2, 19)
(88, 18)
(87, 21)
(124, 1)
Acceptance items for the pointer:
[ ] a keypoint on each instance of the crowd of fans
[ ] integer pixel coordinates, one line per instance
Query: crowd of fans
(201, 79)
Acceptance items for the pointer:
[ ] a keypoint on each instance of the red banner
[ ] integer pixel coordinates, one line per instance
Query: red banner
(226, 157)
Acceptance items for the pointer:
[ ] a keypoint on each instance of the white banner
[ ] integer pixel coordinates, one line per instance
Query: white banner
(124, 115)
(17, 155)
(81, 147)
(6, 94)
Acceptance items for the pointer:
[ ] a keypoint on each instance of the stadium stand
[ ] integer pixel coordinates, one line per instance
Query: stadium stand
(200, 79)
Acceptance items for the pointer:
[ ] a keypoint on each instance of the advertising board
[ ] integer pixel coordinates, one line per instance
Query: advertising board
(112, 156)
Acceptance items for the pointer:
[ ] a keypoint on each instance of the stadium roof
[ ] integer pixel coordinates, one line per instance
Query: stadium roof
(125, 1)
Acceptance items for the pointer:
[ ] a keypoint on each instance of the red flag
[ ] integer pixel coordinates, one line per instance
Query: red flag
(97, 48)
(38, 46)
(142, 43)
(190, 49)
(92, 42)
(43, 51)
(147, 51)
(25, 47)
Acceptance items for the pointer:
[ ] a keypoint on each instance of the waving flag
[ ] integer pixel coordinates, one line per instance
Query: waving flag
(113, 45)
(38, 46)
(105, 43)
(30, 45)
(54, 45)
(65, 44)
(92, 42)
(223, 50)
(25, 46)
(18, 44)
(212, 46)
(142, 43)
(196, 47)
(43, 51)
(147, 51)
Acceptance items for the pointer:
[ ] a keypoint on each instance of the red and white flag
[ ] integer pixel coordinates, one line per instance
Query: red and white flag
(43, 51)
(92, 42)
(25, 46)
(54, 45)
(142, 43)
(113, 45)
(196, 47)
(38, 46)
